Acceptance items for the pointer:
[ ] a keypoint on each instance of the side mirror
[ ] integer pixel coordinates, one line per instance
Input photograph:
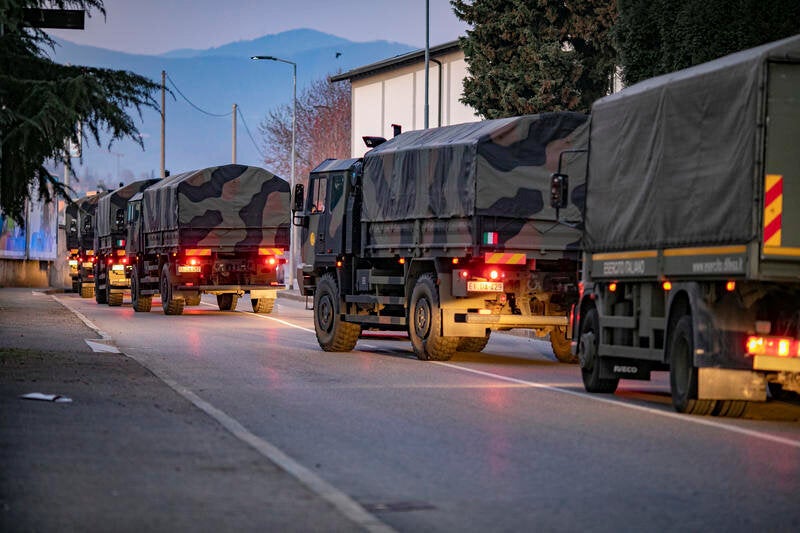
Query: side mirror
(559, 190)
(298, 217)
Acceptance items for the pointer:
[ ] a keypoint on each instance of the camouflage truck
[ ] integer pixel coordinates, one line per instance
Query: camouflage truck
(220, 230)
(111, 266)
(448, 234)
(692, 246)
(80, 243)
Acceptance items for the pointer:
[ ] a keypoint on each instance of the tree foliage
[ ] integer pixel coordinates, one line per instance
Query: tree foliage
(659, 36)
(528, 56)
(42, 104)
(323, 130)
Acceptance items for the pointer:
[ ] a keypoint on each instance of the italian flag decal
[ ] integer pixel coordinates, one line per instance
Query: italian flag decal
(490, 237)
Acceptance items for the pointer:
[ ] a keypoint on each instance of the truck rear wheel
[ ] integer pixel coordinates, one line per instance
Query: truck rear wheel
(87, 291)
(562, 347)
(140, 302)
(333, 335)
(227, 301)
(114, 298)
(262, 305)
(424, 324)
(473, 344)
(100, 295)
(588, 357)
(683, 373)
(170, 304)
(194, 300)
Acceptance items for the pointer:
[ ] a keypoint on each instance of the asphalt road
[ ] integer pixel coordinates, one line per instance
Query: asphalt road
(505, 440)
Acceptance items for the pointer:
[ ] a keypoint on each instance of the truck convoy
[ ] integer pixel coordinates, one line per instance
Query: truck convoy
(80, 243)
(448, 234)
(692, 233)
(220, 230)
(111, 268)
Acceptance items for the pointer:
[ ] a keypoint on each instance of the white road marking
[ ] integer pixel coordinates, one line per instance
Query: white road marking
(667, 414)
(278, 320)
(100, 345)
(341, 501)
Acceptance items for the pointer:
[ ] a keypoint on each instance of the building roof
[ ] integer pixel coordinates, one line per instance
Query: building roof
(396, 62)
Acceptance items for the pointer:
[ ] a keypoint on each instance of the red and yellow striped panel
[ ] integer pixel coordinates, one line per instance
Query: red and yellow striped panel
(270, 251)
(773, 209)
(491, 258)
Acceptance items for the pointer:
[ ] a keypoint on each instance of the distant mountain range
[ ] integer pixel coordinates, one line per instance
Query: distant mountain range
(213, 80)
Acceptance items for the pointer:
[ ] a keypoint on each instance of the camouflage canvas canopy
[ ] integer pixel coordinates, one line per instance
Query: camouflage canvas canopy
(492, 168)
(231, 200)
(116, 201)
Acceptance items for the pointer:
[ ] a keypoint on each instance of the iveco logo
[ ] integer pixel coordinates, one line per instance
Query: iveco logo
(620, 369)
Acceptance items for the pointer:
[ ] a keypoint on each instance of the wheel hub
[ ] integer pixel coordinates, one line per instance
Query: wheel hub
(422, 318)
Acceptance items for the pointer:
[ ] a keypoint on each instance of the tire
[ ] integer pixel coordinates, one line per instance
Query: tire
(193, 301)
(170, 304)
(333, 335)
(100, 295)
(589, 360)
(424, 323)
(683, 373)
(76, 286)
(730, 408)
(562, 347)
(114, 298)
(262, 305)
(87, 291)
(227, 301)
(141, 303)
(473, 344)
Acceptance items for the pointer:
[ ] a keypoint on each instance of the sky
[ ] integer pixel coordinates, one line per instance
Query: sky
(157, 26)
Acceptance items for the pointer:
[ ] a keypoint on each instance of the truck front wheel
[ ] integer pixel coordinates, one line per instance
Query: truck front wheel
(140, 302)
(170, 304)
(424, 323)
(683, 373)
(588, 357)
(333, 335)
(227, 301)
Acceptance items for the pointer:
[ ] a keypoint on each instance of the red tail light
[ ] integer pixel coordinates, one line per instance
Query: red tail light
(774, 346)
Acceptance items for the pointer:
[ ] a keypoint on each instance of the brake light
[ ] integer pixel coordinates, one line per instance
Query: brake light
(124, 260)
(192, 261)
(464, 274)
(773, 346)
(270, 261)
(110, 261)
(494, 274)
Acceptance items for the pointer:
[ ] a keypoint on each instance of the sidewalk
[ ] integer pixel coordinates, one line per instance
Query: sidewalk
(128, 453)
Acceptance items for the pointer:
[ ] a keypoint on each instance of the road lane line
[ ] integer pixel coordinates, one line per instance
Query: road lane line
(285, 323)
(675, 416)
(341, 501)
(103, 335)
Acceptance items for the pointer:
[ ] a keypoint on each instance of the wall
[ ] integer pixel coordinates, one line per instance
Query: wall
(398, 97)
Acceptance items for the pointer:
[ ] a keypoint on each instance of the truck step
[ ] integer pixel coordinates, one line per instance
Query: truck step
(372, 319)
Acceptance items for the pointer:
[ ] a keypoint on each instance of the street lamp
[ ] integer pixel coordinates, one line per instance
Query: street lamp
(292, 240)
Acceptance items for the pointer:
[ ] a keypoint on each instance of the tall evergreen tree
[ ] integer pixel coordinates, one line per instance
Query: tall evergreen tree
(43, 103)
(659, 36)
(532, 56)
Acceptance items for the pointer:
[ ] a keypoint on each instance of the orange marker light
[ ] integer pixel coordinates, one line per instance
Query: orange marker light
(455, 260)
(667, 286)
(339, 264)
(612, 287)
(402, 260)
(730, 286)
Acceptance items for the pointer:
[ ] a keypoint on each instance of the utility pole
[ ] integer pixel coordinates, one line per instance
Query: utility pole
(233, 144)
(163, 122)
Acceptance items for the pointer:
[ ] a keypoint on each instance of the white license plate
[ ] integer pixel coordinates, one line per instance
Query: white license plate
(73, 263)
(88, 264)
(190, 268)
(118, 268)
(485, 286)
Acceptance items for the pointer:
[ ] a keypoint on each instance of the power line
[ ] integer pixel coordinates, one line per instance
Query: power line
(229, 113)
(255, 145)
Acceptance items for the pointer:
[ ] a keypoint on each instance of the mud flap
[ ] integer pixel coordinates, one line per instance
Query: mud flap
(727, 384)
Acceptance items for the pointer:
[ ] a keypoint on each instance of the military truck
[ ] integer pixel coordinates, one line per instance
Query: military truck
(71, 228)
(111, 266)
(692, 252)
(446, 233)
(80, 243)
(219, 230)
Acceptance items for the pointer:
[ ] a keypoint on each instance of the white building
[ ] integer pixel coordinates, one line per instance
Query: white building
(393, 92)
